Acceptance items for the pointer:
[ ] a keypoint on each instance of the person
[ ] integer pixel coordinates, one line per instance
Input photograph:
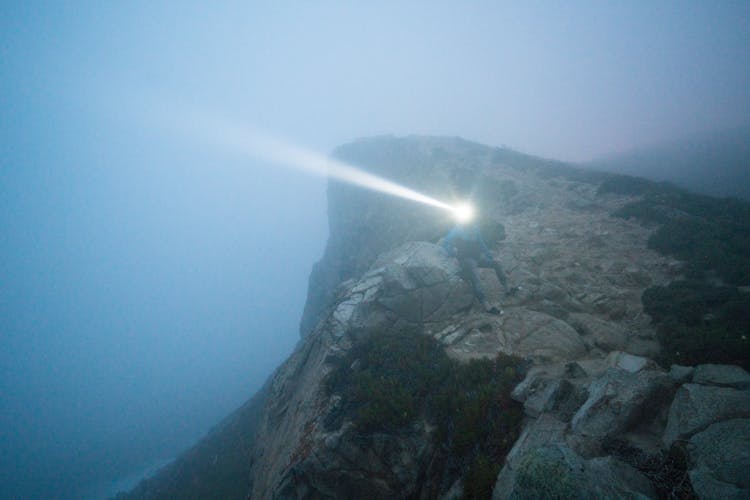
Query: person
(465, 242)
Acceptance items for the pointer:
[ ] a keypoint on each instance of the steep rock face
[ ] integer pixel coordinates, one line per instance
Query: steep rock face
(364, 224)
(297, 456)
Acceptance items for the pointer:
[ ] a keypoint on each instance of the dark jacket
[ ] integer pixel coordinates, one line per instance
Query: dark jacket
(465, 241)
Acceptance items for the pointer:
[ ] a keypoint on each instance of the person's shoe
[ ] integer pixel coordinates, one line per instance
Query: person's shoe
(491, 308)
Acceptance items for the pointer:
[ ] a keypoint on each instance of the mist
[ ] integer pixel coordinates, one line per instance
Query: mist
(150, 281)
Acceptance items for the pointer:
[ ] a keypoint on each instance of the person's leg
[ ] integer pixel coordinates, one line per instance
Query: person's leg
(469, 269)
(485, 262)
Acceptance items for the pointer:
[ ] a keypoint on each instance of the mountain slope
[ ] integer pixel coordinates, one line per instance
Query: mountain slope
(401, 387)
(716, 164)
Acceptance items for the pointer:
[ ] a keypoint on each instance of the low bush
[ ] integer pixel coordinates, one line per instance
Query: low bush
(480, 478)
(702, 318)
(699, 323)
(542, 476)
(626, 184)
(387, 381)
(667, 470)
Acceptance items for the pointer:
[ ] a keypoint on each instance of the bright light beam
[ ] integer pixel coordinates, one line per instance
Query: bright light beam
(246, 140)
(264, 147)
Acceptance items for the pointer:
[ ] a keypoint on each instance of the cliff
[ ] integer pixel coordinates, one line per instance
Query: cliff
(402, 387)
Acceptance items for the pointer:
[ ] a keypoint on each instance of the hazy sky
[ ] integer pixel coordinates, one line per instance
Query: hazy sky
(150, 282)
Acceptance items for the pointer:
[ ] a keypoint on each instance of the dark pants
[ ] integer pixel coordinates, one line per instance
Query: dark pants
(469, 267)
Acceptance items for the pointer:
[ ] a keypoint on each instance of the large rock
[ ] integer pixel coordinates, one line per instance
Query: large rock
(695, 407)
(681, 374)
(422, 283)
(542, 431)
(722, 375)
(707, 487)
(542, 336)
(605, 335)
(555, 471)
(628, 362)
(721, 460)
(414, 284)
(544, 392)
(519, 331)
(619, 400)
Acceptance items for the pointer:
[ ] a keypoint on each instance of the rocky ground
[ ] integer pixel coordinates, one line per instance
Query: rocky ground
(591, 406)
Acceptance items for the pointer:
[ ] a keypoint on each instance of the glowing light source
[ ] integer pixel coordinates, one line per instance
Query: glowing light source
(463, 213)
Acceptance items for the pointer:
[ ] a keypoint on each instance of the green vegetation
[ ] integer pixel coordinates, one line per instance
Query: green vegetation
(539, 476)
(699, 323)
(625, 184)
(667, 469)
(480, 478)
(386, 382)
(703, 318)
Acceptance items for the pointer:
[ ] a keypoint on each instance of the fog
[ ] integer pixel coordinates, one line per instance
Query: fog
(150, 281)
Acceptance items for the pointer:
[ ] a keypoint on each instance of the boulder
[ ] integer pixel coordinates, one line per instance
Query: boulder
(695, 407)
(544, 430)
(543, 337)
(551, 395)
(681, 374)
(413, 284)
(555, 471)
(722, 376)
(628, 362)
(605, 335)
(619, 400)
(707, 487)
(721, 454)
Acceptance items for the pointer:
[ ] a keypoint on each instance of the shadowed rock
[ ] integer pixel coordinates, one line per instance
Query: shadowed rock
(695, 407)
(722, 375)
(555, 471)
(721, 454)
(619, 400)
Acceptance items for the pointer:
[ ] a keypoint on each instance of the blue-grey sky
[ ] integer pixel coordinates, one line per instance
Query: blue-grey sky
(149, 282)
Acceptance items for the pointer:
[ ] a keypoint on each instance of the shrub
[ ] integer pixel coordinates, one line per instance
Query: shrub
(387, 381)
(667, 470)
(628, 185)
(480, 479)
(699, 323)
(541, 476)
(697, 320)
